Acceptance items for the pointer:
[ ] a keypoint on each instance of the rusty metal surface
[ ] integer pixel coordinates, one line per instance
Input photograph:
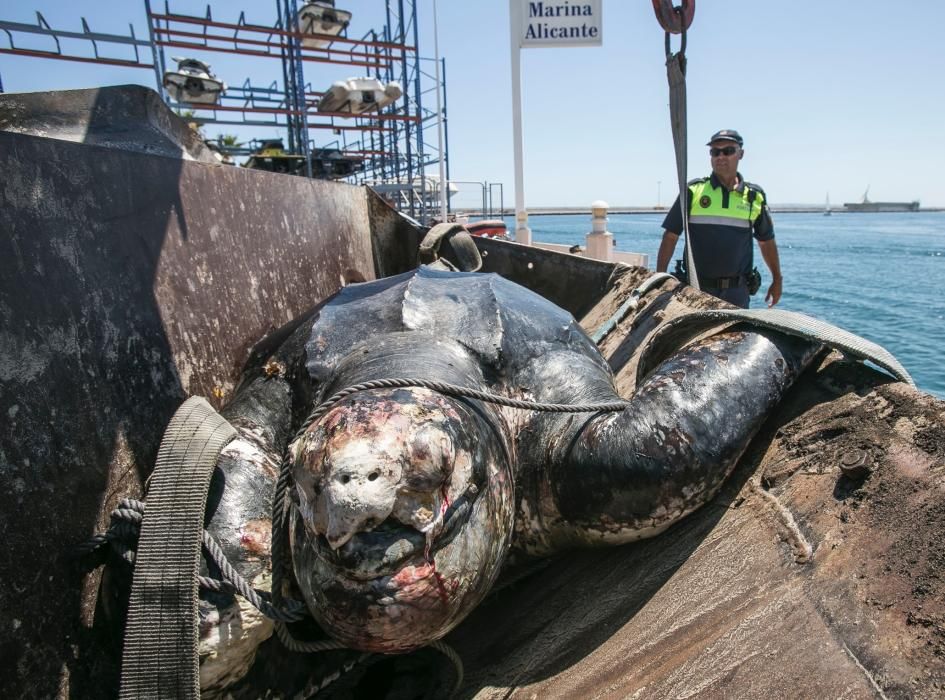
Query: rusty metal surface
(128, 117)
(570, 281)
(127, 282)
(395, 241)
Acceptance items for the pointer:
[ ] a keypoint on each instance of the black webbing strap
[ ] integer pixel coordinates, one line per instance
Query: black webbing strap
(160, 653)
(676, 75)
(676, 333)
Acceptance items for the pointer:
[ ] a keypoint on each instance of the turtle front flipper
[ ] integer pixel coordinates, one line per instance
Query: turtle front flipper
(275, 389)
(632, 474)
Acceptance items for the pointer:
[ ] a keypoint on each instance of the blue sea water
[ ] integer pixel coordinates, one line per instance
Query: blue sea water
(879, 275)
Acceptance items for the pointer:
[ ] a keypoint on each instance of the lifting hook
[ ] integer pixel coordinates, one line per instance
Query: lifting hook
(674, 20)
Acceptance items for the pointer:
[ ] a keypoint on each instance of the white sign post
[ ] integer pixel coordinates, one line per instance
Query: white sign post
(543, 24)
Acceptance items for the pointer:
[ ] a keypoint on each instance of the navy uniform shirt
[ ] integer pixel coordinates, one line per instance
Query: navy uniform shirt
(722, 250)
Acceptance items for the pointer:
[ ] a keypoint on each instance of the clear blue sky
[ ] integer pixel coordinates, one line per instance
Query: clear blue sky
(831, 97)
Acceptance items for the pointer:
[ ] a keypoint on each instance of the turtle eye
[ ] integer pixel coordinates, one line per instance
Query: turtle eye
(429, 460)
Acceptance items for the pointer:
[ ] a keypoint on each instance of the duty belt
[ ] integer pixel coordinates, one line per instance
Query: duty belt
(722, 282)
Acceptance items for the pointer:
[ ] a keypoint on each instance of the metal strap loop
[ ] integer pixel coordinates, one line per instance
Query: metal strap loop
(460, 243)
(674, 20)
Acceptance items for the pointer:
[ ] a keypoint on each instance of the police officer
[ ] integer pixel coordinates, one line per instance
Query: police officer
(725, 212)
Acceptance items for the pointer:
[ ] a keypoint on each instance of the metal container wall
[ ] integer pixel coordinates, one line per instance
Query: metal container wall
(129, 281)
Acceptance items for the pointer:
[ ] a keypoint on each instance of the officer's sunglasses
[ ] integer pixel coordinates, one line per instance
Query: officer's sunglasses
(727, 151)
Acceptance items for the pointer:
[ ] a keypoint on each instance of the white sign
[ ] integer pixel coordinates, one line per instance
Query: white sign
(563, 23)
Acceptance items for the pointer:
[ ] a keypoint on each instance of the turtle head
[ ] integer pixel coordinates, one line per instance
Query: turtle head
(403, 515)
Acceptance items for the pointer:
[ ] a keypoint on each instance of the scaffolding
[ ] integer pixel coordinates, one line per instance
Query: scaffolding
(385, 149)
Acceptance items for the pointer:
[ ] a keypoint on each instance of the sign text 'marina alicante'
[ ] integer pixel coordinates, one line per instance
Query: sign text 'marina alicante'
(561, 23)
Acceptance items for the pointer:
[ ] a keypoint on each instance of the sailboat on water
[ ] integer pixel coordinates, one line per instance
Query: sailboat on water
(827, 206)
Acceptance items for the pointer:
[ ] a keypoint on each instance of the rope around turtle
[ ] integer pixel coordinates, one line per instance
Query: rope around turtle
(130, 512)
(280, 510)
(280, 565)
(123, 532)
(459, 391)
(128, 516)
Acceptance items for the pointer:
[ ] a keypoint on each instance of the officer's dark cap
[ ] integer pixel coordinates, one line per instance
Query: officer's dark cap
(727, 135)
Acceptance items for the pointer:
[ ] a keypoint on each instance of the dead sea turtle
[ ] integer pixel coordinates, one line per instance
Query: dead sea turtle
(406, 503)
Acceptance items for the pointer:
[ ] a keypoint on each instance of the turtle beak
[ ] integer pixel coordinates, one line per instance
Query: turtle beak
(360, 494)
